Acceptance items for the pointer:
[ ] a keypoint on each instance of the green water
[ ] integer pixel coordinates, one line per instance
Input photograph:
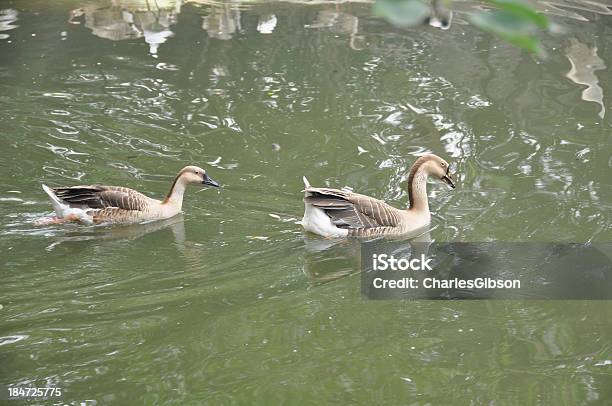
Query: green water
(230, 303)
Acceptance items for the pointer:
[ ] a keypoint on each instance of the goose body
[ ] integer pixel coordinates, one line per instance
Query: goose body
(94, 204)
(339, 213)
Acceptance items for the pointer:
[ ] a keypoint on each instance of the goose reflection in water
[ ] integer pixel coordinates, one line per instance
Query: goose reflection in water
(125, 232)
(190, 252)
(326, 260)
(545, 270)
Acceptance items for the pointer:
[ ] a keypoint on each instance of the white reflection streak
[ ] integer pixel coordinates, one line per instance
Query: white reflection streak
(266, 24)
(7, 18)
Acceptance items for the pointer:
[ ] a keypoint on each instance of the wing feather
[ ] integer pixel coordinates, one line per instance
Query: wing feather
(352, 210)
(102, 197)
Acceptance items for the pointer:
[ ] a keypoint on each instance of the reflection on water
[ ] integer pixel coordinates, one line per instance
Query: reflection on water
(440, 15)
(227, 301)
(266, 23)
(326, 260)
(329, 260)
(7, 19)
(127, 19)
(123, 232)
(585, 62)
(572, 8)
(223, 21)
(339, 22)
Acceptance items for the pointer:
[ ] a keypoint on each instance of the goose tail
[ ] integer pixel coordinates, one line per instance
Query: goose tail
(306, 183)
(58, 206)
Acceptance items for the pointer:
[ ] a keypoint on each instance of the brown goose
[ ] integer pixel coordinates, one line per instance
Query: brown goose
(115, 204)
(339, 213)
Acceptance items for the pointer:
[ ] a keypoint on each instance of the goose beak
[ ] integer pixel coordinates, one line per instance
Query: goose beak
(208, 181)
(448, 179)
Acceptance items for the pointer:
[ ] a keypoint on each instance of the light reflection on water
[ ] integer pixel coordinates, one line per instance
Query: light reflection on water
(231, 300)
(7, 20)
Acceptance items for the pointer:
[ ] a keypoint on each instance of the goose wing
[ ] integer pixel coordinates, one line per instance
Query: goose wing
(352, 210)
(101, 197)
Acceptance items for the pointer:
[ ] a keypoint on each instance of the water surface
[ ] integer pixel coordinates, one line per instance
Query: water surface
(230, 302)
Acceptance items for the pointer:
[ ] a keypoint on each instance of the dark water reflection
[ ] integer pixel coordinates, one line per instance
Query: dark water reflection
(231, 301)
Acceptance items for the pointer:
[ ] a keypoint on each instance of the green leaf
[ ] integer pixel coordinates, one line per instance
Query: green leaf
(402, 13)
(510, 26)
(524, 10)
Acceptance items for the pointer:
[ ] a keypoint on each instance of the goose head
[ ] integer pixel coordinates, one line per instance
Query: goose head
(197, 175)
(438, 168)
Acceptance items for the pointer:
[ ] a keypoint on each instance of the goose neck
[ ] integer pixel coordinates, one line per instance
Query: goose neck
(417, 189)
(177, 190)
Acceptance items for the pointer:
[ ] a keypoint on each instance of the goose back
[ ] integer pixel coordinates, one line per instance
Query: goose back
(361, 215)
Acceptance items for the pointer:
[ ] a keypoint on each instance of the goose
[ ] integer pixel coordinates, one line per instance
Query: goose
(97, 204)
(339, 213)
